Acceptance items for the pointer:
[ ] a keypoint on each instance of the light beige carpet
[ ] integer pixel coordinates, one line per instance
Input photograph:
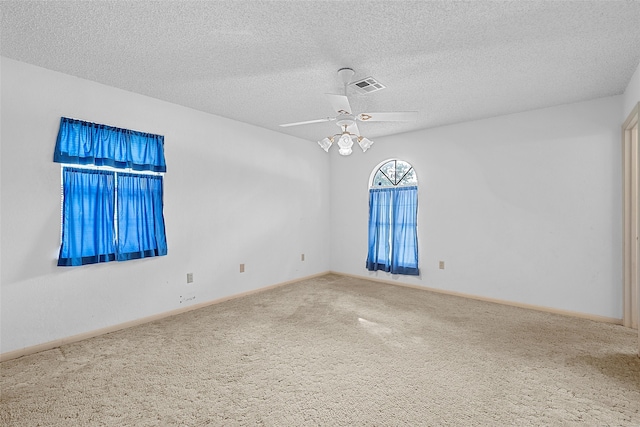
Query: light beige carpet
(336, 351)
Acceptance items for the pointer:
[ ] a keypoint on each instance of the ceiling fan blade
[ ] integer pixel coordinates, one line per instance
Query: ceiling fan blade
(340, 103)
(328, 119)
(398, 116)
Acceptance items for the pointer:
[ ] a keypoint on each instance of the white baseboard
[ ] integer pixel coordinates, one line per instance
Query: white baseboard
(14, 354)
(569, 313)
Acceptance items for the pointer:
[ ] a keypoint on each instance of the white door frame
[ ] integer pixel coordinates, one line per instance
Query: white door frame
(631, 221)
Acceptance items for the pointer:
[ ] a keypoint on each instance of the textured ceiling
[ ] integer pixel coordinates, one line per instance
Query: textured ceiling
(266, 62)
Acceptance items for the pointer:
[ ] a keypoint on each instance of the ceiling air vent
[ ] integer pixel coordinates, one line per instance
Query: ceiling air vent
(366, 85)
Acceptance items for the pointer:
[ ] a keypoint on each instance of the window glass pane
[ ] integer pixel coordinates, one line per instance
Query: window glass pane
(401, 169)
(409, 177)
(389, 169)
(380, 180)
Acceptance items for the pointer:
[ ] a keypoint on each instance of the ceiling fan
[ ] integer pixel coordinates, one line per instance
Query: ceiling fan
(346, 118)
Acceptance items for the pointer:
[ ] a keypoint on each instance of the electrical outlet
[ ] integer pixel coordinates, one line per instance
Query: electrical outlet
(302, 257)
(241, 268)
(441, 265)
(189, 277)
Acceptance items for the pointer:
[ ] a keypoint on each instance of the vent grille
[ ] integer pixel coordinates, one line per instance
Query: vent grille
(366, 85)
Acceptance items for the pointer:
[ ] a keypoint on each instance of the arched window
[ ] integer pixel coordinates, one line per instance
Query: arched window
(394, 173)
(393, 219)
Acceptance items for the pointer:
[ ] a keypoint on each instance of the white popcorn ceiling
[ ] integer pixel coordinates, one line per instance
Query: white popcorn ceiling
(267, 62)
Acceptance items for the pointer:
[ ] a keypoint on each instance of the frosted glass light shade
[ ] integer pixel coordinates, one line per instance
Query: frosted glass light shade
(364, 143)
(325, 144)
(345, 143)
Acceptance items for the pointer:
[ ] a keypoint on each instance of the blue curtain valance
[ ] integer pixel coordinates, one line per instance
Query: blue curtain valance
(86, 143)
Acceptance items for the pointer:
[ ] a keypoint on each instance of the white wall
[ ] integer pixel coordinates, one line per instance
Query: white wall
(234, 193)
(524, 208)
(632, 94)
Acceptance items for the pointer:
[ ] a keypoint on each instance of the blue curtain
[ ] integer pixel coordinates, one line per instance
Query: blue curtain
(379, 256)
(87, 143)
(404, 255)
(141, 231)
(87, 217)
(393, 234)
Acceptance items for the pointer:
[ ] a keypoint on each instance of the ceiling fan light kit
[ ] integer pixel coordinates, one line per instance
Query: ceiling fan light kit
(345, 142)
(347, 120)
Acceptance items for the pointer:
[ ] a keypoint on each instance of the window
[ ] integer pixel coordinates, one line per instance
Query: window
(394, 173)
(110, 213)
(393, 212)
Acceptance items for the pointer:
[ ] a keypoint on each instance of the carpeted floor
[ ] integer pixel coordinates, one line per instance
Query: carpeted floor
(336, 351)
